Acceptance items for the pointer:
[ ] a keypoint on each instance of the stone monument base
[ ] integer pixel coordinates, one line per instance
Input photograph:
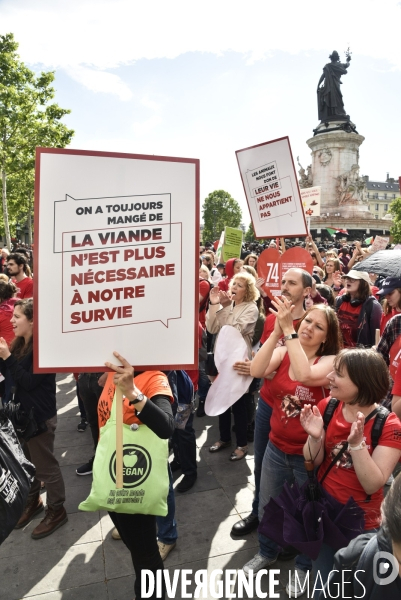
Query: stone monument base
(335, 152)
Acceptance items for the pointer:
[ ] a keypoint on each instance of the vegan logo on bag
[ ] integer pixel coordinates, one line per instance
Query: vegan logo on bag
(137, 465)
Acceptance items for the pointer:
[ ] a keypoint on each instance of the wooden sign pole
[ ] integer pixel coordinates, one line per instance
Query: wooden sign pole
(119, 438)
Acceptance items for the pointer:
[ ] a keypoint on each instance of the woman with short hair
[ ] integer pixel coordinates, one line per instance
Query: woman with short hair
(359, 381)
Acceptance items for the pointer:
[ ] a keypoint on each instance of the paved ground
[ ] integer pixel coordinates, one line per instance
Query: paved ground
(82, 561)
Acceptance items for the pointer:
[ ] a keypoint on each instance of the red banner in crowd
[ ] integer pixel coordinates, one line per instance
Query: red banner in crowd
(272, 265)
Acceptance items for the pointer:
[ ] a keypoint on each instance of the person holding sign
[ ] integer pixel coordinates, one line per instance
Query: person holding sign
(147, 399)
(301, 366)
(237, 308)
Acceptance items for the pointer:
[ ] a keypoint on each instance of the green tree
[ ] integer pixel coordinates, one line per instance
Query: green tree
(395, 210)
(250, 234)
(27, 119)
(219, 210)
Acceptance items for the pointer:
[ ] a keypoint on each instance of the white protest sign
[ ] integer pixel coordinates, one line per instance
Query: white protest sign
(271, 189)
(311, 201)
(379, 243)
(117, 240)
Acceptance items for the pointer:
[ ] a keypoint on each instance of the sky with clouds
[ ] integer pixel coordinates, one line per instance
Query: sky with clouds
(204, 79)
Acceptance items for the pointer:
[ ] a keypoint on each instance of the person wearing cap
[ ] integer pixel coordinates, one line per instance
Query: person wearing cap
(391, 292)
(359, 313)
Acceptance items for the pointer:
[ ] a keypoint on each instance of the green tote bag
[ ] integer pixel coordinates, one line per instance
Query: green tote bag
(145, 476)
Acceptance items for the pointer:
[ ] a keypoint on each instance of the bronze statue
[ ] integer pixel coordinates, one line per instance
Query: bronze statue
(329, 97)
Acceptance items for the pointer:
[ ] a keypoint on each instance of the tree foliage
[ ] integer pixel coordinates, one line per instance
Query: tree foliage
(250, 234)
(395, 210)
(219, 210)
(27, 119)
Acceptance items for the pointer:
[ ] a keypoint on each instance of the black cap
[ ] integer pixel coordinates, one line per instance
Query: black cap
(389, 285)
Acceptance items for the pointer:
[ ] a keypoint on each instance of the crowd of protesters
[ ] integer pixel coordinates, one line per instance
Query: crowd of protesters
(315, 342)
(318, 343)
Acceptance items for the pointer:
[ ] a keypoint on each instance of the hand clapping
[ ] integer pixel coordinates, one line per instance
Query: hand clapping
(356, 435)
(283, 312)
(4, 350)
(311, 420)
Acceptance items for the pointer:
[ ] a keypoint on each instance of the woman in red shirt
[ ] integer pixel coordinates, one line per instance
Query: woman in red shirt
(360, 381)
(301, 366)
(8, 291)
(8, 299)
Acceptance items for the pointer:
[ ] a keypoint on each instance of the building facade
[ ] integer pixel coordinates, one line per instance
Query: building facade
(380, 194)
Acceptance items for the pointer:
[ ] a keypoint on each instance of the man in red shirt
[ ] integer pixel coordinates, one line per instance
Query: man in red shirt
(17, 268)
(296, 285)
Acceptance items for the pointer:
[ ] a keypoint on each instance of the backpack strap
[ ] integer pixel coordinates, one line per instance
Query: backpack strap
(344, 447)
(379, 422)
(329, 411)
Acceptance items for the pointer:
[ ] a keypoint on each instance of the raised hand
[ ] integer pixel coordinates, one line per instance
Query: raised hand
(214, 296)
(124, 375)
(311, 420)
(260, 282)
(4, 350)
(337, 279)
(225, 298)
(356, 435)
(283, 313)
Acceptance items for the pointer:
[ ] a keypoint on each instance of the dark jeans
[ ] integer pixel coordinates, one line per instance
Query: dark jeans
(80, 404)
(138, 532)
(89, 391)
(167, 526)
(262, 431)
(277, 468)
(204, 381)
(40, 451)
(184, 446)
(240, 421)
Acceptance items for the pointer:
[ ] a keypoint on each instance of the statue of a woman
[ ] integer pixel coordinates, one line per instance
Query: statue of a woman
(329, 97)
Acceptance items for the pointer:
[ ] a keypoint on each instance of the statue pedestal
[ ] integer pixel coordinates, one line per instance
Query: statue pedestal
(333, 154)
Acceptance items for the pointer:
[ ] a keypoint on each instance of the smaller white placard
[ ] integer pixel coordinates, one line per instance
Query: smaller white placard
(311, 201)
(271, 189)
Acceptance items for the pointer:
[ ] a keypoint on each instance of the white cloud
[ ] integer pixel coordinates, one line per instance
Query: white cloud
(100, 81)
(106, 34)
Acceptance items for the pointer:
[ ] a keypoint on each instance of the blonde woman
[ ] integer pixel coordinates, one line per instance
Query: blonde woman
(205, 273)
(237, 308)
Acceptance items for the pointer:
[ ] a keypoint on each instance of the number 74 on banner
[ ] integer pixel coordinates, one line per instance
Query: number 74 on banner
(272, 274)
